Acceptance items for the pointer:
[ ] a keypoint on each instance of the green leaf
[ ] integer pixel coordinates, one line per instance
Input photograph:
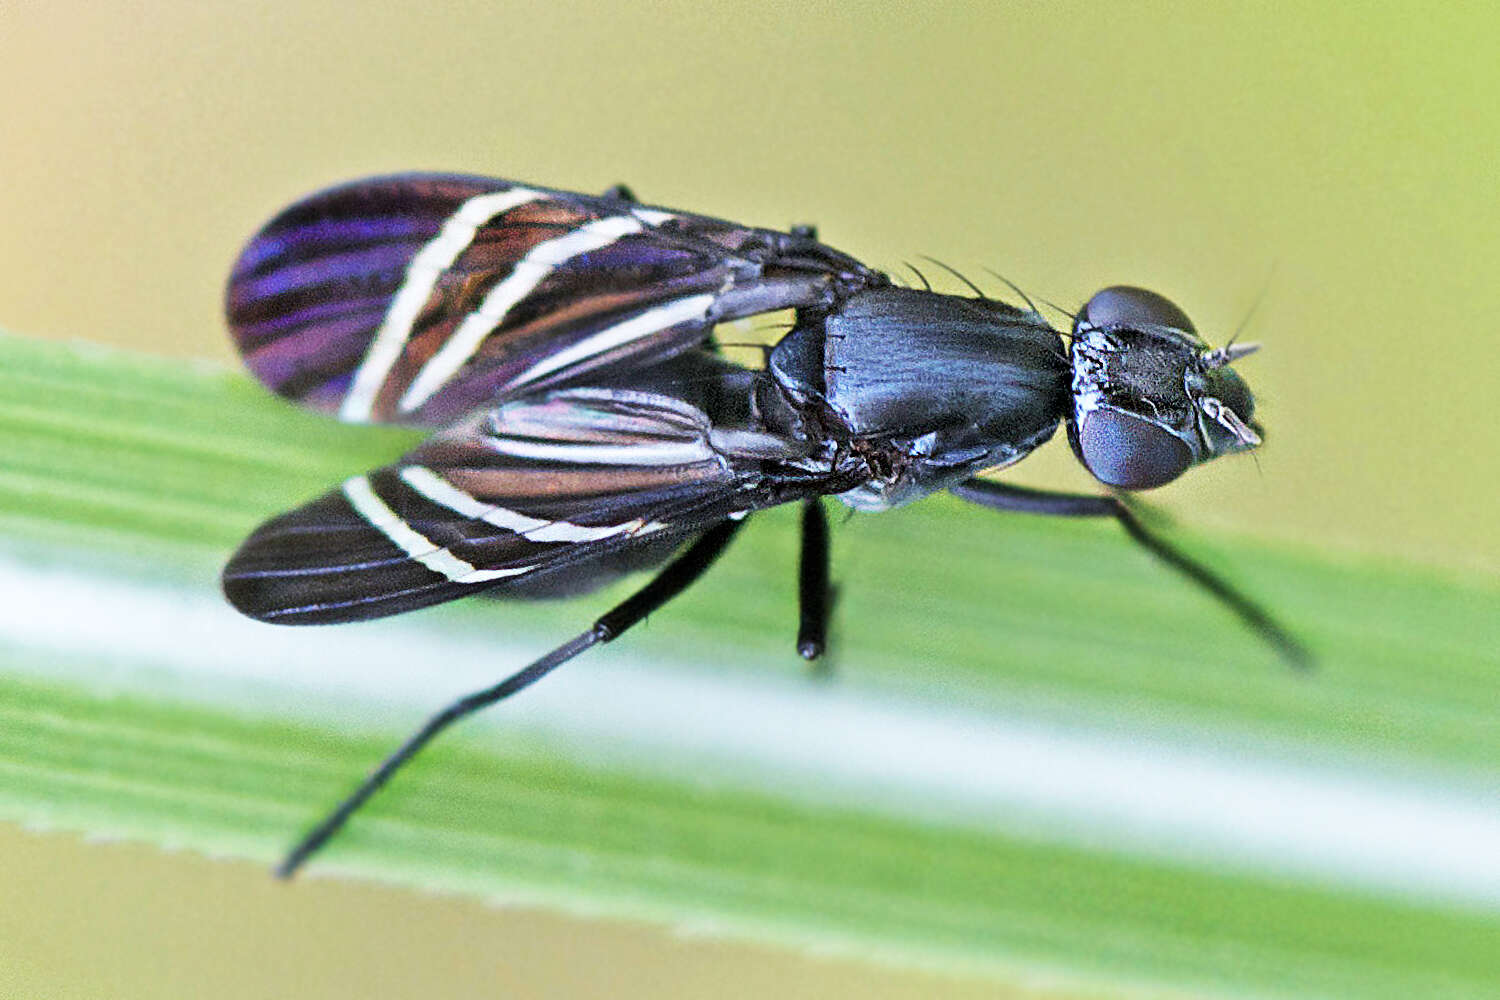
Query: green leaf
(125, 481)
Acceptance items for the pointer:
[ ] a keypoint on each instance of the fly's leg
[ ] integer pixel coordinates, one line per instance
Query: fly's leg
(814, 597)
(621, 192)
(1001, 496)
(674, 578)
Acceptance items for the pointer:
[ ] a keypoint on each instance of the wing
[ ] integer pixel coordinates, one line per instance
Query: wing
(549, 493)
(418, 297)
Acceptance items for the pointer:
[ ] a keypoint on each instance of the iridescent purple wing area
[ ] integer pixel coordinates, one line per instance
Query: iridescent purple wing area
(418, 297)
(550, 494)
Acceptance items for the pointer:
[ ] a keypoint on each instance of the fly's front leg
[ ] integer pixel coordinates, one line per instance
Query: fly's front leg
(813, 593)
(1001, 496)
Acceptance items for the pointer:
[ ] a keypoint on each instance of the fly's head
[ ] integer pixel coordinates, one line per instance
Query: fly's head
(1150, 398)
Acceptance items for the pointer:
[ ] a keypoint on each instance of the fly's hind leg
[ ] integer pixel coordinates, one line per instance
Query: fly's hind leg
(673, 579)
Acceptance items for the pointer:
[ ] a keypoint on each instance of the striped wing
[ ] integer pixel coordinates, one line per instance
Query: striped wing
(418, 297)
(551, 493)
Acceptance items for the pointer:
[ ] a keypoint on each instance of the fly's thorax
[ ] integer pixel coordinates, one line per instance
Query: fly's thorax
(925, 388)
(1150, 398)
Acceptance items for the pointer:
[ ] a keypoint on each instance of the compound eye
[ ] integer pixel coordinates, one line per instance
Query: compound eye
(1127, 306)
(1134, 454)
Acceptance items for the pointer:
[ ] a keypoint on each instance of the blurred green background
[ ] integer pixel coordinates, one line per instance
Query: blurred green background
(1341, 157)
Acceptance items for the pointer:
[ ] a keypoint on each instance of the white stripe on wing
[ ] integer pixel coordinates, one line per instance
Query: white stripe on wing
(422, 276)
(443, 493)
(644, 324)
(361, 496)
(666, 453)
(529, 272)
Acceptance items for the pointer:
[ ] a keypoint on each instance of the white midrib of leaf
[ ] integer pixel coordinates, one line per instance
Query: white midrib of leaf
(835, 744)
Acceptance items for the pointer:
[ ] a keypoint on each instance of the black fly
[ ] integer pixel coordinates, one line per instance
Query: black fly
(559, 345)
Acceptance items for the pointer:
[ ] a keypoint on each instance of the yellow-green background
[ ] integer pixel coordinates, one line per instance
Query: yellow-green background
(1344, 157)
